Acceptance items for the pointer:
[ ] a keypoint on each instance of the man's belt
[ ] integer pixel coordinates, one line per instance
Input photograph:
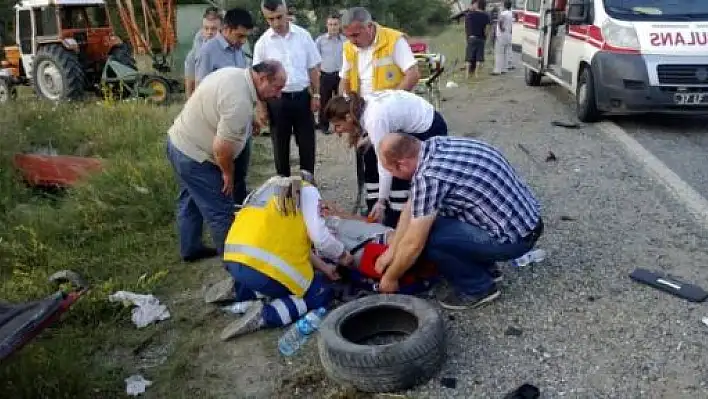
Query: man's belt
(295, 94)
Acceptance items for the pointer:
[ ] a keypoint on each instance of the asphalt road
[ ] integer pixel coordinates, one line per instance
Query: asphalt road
(586, 330)
(575, 325)
(680, 142)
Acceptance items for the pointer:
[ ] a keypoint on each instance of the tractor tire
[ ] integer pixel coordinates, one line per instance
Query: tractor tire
(351, 356)
(7, 91)
(162, 90)
(57, 74)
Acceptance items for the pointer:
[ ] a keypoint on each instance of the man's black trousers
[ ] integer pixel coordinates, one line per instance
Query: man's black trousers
(291, 115)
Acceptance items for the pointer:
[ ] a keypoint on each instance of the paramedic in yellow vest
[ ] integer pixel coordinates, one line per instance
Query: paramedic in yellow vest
(268, 252)
(375, 57)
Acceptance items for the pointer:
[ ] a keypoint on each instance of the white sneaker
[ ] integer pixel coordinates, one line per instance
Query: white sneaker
(221, 291)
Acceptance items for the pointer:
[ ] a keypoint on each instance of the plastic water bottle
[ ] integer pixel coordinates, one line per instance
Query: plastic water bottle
(533, 256)
(300, 331)
(238, 307)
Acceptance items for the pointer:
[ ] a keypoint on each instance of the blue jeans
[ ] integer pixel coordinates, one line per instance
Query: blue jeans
(464, 254)
(283, 307)
(200, 198)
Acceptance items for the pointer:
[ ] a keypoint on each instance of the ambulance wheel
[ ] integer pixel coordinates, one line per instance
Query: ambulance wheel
(586, 105)
(382, 343)
(531, 77)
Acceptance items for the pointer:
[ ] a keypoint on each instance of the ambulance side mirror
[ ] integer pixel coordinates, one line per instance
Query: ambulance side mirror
(578, 12)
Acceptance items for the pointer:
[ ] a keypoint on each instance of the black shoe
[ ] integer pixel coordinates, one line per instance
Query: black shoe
(453, 301)
(496, 273)
(204, 253)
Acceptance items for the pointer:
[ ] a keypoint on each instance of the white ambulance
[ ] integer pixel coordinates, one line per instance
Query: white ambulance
(618, 56)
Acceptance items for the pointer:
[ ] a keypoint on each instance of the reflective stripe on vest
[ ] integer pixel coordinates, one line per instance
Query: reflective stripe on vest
(272, 260)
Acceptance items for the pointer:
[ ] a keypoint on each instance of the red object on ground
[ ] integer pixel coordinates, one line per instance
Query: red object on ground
(55, 170)
(419, 47)
(372, 251)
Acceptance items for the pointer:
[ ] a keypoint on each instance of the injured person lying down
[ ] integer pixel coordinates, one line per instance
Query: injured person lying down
(284, 249)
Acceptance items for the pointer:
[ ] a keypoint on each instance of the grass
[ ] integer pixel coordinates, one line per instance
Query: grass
(117, 230)
(451, 43)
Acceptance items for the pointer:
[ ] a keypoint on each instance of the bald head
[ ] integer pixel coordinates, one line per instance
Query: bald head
(399, 154)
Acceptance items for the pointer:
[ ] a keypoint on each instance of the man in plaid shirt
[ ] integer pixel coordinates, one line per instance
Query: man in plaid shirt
(468, 209)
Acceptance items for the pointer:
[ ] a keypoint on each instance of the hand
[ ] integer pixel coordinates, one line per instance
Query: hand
(315, 104)
(228, 188)
(256, 128)
(331, 273)
(388, 286)
(328, 209)
(346, 260)
(363, 144)
(377, 211)
(384, 261)
(261, 117)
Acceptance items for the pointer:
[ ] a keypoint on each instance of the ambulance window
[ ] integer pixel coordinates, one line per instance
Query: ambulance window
(533, 5)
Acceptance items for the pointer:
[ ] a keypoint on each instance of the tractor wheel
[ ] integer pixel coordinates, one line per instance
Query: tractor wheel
(57, 74)
(7, 91)
(160, 90)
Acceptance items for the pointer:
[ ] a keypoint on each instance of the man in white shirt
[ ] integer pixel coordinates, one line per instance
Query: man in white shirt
(502, 45)
(205, 139)
(293, 113)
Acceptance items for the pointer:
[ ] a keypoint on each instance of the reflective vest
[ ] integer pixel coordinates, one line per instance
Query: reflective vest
(271, 243)
(387, 75)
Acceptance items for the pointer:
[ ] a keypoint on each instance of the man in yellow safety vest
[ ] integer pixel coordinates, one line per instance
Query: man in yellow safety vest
(376, 58)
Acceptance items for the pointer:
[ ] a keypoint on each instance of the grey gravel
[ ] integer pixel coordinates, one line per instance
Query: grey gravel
(586, 330)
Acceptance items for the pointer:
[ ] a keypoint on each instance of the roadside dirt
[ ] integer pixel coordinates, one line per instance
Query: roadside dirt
(186, 353)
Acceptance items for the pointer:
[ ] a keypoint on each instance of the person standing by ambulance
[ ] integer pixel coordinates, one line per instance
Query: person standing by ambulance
(375, 58)
(502, 46)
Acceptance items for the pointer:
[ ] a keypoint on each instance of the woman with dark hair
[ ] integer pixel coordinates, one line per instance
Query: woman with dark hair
(367, 121)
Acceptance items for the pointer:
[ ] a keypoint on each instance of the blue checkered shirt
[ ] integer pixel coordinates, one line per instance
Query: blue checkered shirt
(471, 181)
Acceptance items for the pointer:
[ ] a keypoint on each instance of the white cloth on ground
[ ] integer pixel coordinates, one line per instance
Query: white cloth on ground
(148, 308)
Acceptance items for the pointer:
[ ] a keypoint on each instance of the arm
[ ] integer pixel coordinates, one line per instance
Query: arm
(314, 59)
(189, 73)
(344, 87)
(410, 245)
(317, 230)
(203, 64)
(404, 59)
(419, 215)
(231, 130)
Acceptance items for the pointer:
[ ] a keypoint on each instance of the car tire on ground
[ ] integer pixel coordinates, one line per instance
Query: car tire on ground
(585, 100)
(352, 350)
